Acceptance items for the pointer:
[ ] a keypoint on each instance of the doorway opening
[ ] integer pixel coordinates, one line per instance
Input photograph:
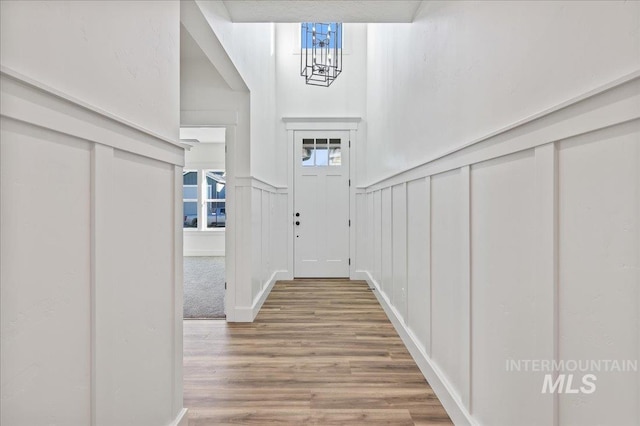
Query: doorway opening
(204, 222)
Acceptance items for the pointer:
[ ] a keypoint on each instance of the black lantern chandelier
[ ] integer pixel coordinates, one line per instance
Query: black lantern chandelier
(321, 52)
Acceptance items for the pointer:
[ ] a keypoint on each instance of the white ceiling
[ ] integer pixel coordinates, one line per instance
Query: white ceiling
(322, 10)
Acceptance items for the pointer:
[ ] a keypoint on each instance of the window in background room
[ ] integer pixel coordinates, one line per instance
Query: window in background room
(215, 198)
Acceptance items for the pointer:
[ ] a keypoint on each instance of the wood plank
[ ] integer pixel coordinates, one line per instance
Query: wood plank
(320, 352)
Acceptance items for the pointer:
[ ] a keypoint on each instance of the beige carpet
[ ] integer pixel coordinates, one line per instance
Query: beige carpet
(204, 287)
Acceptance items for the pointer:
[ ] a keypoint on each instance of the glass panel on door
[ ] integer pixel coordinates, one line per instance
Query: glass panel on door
(322, 152)
(335, 154)
(308, 153)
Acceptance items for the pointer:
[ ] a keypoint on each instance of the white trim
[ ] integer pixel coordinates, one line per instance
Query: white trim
(262, 296)
(220, 118)
(26, 100)
(204, 232)
(242, 314)
(603, 107)
(178, 293)
(182, 419)
(231, 234)
(249, 313)
(202, 253)
(308, 120)
(254, 182)
(321, 123)
(546, 249)
(353, 217)
(465, 256)
(438, 382)
(206, 165)
(362, 275)
(429, 198)
(35, 84)
(101, 246)
(290, 204)
(201, 209)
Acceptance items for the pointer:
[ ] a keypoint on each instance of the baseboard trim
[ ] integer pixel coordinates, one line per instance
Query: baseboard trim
(248, 314)
(262, 296)
(195, 253)
(242, 314)
(182, 419)
(363, 276)
(443, 390)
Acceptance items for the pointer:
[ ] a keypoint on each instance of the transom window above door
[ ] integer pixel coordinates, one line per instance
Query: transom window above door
(321, 152)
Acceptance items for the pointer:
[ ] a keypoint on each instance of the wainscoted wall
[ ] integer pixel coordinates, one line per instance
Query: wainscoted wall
(91, 264)
(264, 206)
(524, 245)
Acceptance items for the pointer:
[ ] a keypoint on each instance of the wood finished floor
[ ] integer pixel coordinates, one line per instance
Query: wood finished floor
(320, 352)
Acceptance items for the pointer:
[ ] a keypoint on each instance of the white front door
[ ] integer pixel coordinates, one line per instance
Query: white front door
(321, 204)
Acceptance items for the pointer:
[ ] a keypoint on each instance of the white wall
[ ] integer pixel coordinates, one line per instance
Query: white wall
(463, 70)
(250, 48)
(526, 243)
(91, 294)
(205, 156)
(75, 48)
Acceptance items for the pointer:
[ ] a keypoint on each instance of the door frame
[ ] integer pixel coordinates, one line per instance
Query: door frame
(293, 124)
(230, 123)
(334, 233)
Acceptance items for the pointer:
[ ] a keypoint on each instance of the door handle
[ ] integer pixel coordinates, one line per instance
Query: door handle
(297, 214)
(297, 223)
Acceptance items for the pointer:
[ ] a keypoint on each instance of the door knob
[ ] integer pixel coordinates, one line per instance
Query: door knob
(297, 214)
(297, 222)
